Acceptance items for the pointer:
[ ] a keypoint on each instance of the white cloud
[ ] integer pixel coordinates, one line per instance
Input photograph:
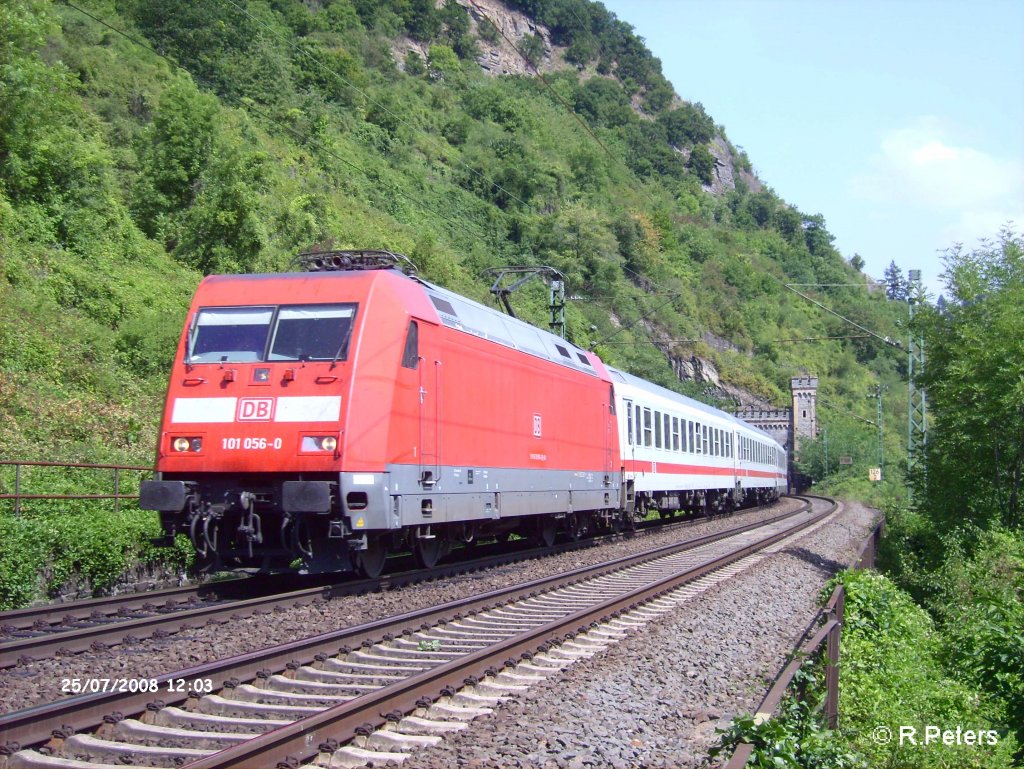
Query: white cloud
(919, 167)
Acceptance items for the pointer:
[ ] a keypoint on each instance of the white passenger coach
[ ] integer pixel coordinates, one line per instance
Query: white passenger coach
(680, 454)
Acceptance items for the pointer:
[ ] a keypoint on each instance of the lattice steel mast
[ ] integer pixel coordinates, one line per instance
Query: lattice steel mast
(917, 413)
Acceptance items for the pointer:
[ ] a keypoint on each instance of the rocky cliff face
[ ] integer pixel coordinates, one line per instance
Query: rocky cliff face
(498, 57)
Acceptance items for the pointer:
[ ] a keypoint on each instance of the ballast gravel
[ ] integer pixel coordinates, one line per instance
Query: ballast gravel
(44, 681)
(657, 698)
(653, 700)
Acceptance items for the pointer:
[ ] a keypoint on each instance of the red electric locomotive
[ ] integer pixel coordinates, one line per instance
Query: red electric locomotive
(318, 420)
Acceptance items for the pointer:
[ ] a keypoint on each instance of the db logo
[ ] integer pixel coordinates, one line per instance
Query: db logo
(255, 409)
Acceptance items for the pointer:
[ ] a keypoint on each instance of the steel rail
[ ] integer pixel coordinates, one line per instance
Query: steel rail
(84, 609)
(110, 631)
(289, 744)
(34, 726)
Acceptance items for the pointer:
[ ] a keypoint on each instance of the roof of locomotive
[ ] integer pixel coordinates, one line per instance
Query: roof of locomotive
(452, 309)
(643, 384)
(459, 312)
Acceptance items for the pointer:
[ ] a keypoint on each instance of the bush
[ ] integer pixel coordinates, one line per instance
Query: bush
(892, 676)
(794, 738)
(42, 552)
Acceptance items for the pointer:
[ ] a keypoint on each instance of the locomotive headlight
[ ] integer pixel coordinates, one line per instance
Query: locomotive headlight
(319, 443)
(195, 445)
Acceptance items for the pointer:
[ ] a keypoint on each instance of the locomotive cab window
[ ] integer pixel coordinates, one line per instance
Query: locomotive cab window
(312, 332)
(230, 334)
(249, 334)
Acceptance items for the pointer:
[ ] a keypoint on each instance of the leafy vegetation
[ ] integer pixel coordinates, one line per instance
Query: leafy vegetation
(143, 145)
(940, 643)
(894, 675)
(795, 737)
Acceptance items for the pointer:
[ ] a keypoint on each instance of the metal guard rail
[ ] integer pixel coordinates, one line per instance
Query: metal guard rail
(829, 622)
(117, 496)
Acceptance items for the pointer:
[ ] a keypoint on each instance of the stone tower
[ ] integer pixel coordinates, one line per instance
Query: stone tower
(805, 408)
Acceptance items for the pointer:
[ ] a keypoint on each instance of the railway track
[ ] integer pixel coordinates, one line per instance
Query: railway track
(100, 623)
(416, 675)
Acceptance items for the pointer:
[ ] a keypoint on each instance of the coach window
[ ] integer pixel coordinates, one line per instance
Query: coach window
(675, 433)
(312, 332)
(667, 425)
(638, 423)
(648, 432)
(411, 354)
(705, 439)
(690, 446)
(629, 422)
(657, 429)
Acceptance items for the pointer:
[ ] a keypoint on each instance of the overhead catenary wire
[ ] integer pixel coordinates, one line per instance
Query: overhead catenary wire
(884, 339)
(819, 338)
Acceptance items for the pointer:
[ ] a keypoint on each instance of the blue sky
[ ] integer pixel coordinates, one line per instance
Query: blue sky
(901, 121)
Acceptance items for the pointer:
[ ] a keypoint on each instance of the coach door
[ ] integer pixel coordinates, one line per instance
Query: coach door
(628, 500)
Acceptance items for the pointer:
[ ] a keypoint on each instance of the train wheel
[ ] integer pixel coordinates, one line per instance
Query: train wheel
(370, 562)
(574, 527)
(547, 528)
(428, 551)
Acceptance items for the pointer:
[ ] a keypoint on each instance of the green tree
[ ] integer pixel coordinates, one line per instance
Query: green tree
(896, 284)
(173, 152)
(422, 20)
(455, 23)
(702, 163)
(532, 47)
(688, 124)
(974, 379)
(224, 230)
